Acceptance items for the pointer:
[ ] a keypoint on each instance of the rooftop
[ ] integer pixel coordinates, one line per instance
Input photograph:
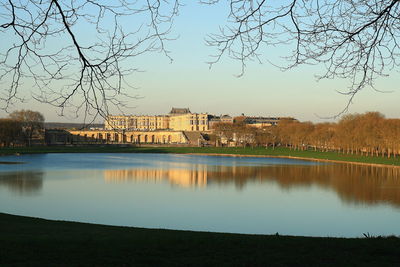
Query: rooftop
(176, 111)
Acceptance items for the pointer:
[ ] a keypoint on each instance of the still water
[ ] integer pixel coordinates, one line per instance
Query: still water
(206, 193)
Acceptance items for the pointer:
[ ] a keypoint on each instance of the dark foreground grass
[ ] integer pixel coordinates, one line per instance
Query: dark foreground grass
(36, 242)
(259, 151)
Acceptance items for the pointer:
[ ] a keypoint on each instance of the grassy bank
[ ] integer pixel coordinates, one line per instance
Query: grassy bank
(281, 151)
(36, 242)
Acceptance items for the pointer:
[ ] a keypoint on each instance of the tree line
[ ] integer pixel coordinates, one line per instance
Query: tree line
(21, 128)
(368, 134)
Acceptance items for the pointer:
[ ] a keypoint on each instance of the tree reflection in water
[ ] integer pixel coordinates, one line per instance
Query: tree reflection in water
(356, 184)
(28, 182)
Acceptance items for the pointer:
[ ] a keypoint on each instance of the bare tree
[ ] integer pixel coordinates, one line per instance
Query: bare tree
(32, 123)
(354, 39)
(10, 132)
(43, 44)
(358, 40)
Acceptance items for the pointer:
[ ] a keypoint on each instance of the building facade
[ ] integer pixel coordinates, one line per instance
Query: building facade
(133, 122)
(178, 119)
(213, 120)
(77, 137)
(182, 119)
(265, 121)
(189, 122)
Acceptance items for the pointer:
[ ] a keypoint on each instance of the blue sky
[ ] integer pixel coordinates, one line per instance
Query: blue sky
(263, 91)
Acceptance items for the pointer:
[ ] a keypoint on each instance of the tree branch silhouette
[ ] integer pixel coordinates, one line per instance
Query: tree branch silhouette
(353, 39)
(68, 69)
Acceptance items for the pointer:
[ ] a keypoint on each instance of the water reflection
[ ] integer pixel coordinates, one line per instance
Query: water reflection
(27, 182)
(353, 183)
(182, 177)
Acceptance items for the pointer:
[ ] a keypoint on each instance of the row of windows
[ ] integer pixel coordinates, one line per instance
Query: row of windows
(144, 124)
(147, 123)
(198, 122)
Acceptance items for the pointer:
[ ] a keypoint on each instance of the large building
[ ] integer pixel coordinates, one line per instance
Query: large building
(179, 119)
(179, 127)
(134, 122)
(189, 122)
(182, 119)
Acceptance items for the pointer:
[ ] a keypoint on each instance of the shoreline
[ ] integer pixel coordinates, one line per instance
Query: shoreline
(294, 157)
(329, 157)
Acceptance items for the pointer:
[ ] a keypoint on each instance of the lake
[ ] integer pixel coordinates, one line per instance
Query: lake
(204, 193)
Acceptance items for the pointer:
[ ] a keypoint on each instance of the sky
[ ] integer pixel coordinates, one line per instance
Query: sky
(263, 90)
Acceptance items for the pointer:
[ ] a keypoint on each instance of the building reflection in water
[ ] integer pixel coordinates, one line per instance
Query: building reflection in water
(28, 182)
(353, 183)
(181, 177)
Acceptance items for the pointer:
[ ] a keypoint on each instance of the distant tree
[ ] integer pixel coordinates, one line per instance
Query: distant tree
(32, 123)
(10, 132)
(322, 136)
(369, 134)
(347, 133)
(242, 132)
(285, 132)
(370, 128)
(262, 137)
(224, 130)
(390, 133)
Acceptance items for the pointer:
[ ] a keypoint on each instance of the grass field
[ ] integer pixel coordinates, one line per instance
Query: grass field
(259, 151)
(36, 242)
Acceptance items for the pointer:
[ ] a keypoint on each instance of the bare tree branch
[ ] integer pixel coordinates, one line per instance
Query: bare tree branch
(354, 39)
(71, 54)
